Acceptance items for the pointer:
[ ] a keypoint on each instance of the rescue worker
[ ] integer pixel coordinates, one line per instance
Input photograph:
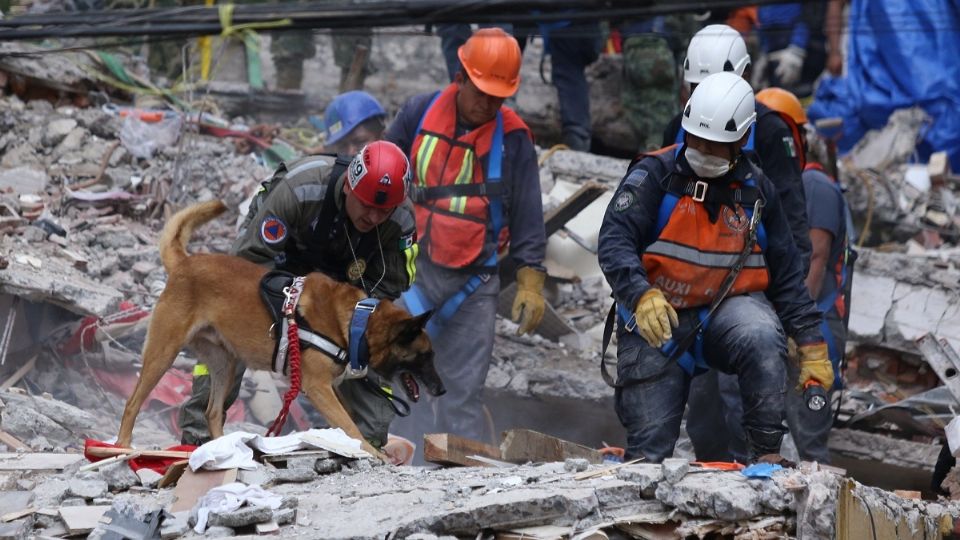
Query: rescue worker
(678, 224)
(349, 219)
(352, 120)
(830, 267)
(719, 48)
(476, 183)
(714, 399)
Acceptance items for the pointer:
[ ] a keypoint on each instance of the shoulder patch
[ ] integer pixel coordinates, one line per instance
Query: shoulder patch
(273, 230)
(407, 241)
(790, 147)
(624, 200)
(636, 177)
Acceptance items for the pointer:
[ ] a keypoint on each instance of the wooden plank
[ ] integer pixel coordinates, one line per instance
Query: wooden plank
(193, 485)
(81, 519)
(37, 461)
(555, 219)
(109, 461)
(106, 452)
(586, 475)
(522, 445)
(19, 374)
(854, 516)
(447, 449)
(269, 527)
(12, 442)
(173, 473)
(10, 516)
(907, 494)
(14, 503)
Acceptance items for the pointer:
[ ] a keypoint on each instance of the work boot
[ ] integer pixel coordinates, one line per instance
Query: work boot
(762, 442)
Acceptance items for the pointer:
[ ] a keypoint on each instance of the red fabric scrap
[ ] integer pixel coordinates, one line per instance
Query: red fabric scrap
(159, 465)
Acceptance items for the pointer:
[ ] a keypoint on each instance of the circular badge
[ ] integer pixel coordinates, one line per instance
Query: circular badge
(356, 269)
(273, 230)
(736, 220)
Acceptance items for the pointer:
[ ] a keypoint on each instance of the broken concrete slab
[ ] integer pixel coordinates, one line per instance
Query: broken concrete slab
(248, 515)
(722, 496)
(24, 179)
(87, 489)
(59, 283)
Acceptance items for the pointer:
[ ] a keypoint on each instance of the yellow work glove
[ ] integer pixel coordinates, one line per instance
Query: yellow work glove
(528, 304)
(655, 318)
(815, 365)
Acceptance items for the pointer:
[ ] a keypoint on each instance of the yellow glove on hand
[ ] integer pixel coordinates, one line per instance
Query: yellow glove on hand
(815, 365)
(528, 304)
(655, 317)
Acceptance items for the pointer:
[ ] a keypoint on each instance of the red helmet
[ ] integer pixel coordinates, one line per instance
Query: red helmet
(378, 175)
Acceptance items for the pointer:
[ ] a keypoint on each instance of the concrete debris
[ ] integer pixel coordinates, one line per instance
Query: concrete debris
(674, 469)
(248, 515)
(87, 489)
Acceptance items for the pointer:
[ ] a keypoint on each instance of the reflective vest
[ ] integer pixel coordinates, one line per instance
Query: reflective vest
(689, 256)
(451, 193)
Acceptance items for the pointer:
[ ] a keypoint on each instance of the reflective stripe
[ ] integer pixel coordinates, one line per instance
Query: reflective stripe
(427, 146)
(465, 176)
(703, 258)
(387, 389)
(410, 255)
(312, 164)
(200, 370)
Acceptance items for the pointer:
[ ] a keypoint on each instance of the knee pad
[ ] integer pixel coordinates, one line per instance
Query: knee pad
(763, 441)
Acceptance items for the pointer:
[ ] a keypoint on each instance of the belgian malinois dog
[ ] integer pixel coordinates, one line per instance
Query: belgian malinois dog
(212, 304)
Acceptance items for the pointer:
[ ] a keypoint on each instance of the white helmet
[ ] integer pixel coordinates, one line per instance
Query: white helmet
(721, 109)
(715, 49)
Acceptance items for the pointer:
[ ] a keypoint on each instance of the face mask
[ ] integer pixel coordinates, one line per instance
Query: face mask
(706, 165)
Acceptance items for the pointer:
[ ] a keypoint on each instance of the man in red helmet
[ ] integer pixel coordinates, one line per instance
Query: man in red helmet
(349, 219)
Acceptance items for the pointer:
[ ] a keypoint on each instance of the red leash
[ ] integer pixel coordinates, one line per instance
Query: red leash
(293, 339)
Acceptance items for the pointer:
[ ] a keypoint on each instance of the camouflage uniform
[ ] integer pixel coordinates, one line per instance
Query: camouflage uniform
(294, 198)
(651, 76)
(290, 49)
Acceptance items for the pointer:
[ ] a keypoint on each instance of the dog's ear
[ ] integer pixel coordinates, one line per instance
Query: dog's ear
(411, 328)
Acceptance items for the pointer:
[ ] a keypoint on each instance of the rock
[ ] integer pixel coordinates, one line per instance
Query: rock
(248, 515)
(50, 493)
(280, 476)
(23, 484)
(72, 141)
(674, 469)
(285, 516)
(26, 423)
(62, 413)
(88, 489)
(259, 476)
(74, 501)
(117, 239)
(327, 466)
(576, 465)
(725, 495)
(176, 525)
(24, 179)
(148, 477)
(57, 130)
(143, 268)
(218, 532)
(647, 475)
(119, 476)
(16, 530)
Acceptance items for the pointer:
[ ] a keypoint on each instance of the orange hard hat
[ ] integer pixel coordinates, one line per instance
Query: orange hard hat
(783, 102)
(491, 58)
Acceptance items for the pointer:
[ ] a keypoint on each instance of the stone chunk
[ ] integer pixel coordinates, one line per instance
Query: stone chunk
(175, 526)
(647, 475)
(726, 495)
(248, 515)
(57, 130)
(674, 469)
(119, 476)
(87, 489)
(285, 516)
(218, 532)
(327, 466)
(281, 476)
(575, 465)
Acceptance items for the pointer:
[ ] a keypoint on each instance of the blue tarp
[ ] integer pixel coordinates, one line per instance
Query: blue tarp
(901, 53)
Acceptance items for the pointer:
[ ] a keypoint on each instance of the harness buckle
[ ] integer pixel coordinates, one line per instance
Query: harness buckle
(631, 324)
(699, 191)
(365, 307)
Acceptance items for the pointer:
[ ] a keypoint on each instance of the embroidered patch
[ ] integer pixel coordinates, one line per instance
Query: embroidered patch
(636, 177)
(407, 242)
(356, 269)
(736, 221)
(790, 147)
(624, 201)
(273, 230)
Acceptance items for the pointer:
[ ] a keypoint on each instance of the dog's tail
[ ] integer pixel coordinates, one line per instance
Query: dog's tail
(177, 231)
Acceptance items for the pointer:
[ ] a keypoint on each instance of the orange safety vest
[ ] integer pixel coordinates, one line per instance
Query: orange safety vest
(450, 192)
(690, 257)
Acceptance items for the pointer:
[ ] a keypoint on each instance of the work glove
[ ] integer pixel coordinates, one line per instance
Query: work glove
(528, 304)
(789, 64)
(815, 365)
(655, 318)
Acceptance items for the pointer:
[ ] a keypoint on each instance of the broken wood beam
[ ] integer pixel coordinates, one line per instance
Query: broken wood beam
(522, 445)
(105, 452)
(19, 374)
(448, 449)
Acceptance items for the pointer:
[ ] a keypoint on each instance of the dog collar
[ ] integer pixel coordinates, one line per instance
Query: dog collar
(359, 349)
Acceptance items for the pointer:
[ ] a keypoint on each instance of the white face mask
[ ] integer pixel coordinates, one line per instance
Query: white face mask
(706, 165)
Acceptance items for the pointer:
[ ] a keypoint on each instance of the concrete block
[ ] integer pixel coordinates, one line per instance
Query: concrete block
(281, 476)
(119, 476)
(872, 300)
(327, 466)
(248, 515)
(175, 526)
(646, 475)
(87, 489)
(219, 532)
(285, 516)
(727, 496)
(575, 465)
(73, 501)
(674, 469)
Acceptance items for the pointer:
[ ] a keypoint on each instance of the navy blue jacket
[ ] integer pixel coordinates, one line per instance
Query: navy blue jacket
(628, 230)
(774, 144)
(522, 202)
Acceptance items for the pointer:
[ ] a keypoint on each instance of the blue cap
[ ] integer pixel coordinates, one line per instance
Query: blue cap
(347, 111)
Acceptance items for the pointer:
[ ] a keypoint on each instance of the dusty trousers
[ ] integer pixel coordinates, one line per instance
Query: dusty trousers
(463, 349)
(744, 337)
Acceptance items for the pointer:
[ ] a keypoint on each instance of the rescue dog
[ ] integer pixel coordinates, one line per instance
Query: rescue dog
(212, 304)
